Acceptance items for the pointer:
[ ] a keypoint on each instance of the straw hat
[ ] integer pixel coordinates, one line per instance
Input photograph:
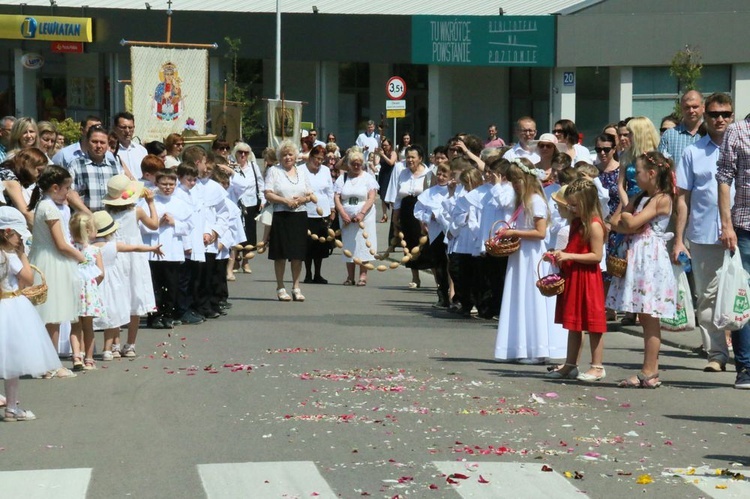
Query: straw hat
(559, 196)
(105, 225)
(122, 191)
(548, 137)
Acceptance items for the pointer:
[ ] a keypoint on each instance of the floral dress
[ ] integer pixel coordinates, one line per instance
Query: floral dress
(90, 301)
(649, 286)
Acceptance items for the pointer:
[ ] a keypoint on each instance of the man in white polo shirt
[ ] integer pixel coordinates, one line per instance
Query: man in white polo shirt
(526, 132)
(698, 221)
(129, 153)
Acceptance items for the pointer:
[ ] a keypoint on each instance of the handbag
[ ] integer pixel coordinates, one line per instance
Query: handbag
(732, 310)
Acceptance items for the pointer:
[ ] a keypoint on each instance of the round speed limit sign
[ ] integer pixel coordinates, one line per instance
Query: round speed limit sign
(395, 89)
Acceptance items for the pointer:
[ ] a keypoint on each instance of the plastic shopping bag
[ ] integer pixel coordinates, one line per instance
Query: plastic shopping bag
(684, 319)
(732, 305)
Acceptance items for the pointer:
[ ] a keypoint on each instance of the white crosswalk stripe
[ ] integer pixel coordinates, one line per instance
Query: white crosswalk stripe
(266, 479)
(492, 480)
(45, 484)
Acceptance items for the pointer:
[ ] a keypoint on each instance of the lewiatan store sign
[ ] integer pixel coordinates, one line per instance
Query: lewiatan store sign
(46, 28)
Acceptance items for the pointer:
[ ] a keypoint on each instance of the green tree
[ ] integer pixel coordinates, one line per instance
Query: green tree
(238, 83)
(69, 129)
(686, 66)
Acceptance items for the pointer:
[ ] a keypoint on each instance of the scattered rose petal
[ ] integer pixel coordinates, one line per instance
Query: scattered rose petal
(546, 468)
(551, 395)
(482, 479)
(597, 397)
(644, 479)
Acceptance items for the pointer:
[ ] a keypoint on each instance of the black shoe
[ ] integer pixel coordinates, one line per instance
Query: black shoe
(176, 322)
(464, 311)
(158, 323)
(168, 323)
(454, 308)
(225, 305)
(191, 318)
(221, 311)
(212, 315)
(308, 279)
(440, 304)
(319, 280)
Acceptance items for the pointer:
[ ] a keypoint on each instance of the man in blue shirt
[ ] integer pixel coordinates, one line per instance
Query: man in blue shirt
(698, 211)
(676, 139)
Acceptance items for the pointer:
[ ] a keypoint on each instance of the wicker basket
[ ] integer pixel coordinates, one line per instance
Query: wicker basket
(500, 246)
(550, 285)
(616, 266)
(37, 293)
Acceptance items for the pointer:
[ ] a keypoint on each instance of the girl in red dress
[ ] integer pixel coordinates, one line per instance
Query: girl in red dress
(581, 305)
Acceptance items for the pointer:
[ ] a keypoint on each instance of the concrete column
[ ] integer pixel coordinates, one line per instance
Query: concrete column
(25, 87)
(216, 79)
(379, 74)
(562, 95)
(741, 90)
(439, 110)
(620, 93)
(328, 120)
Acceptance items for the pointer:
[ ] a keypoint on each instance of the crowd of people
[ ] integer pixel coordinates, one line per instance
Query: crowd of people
(126, 234)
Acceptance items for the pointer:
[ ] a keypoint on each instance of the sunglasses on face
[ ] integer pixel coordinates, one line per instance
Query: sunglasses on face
(663, 129)
(716, 114)
(604, 150)
(545, 145)
(223, 148)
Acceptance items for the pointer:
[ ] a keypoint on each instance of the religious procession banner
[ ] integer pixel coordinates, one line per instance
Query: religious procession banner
(170, 88)
(284, 119)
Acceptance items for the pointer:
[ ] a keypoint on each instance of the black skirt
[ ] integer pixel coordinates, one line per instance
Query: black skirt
(288, 236)
(320, 248)
(412, 229)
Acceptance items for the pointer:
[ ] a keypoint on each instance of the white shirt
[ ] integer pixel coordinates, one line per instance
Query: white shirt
(278, 183)
(430, 203)
(132, 156)
(242, 186)
(322, 186)
(369, 141)
(519, 152)
(410, 185)
(169, 236)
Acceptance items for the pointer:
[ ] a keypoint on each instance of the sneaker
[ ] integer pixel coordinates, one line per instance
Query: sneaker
(191, 318)
(742, 382)
(128, 351)
(107, 356)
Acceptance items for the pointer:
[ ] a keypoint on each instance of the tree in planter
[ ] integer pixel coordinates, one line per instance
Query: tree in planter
(238, 83)
(686, 66)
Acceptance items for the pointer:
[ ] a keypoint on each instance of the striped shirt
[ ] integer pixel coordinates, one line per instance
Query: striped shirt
(674, 141)
(734, 166)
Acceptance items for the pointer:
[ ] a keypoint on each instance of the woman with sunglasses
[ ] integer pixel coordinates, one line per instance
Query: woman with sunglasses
(567, 133)
(546, 148)
(247, 188)
(175, 143)
(220, 147)
(609, 171)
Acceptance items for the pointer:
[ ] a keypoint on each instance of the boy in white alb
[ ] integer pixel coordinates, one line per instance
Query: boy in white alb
(174, 225)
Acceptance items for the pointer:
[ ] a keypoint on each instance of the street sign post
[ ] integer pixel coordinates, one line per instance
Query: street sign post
(395, 108)
(395, 89)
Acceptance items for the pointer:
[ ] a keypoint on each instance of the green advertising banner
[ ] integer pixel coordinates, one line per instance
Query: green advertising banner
(527, 41)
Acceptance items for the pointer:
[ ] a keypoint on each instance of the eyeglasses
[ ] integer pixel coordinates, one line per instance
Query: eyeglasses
(605, 150)
(545, 145)
(242, 153)
(223, 148)
(528, 130)
(716, 114)
(558, 130)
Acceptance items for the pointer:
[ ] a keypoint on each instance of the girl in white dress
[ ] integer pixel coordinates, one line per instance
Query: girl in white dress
(526, 330)
(120, 202)
(111, 288)
(648, 287)
(354, 197)
(24, 344)
(91, 274)
(53, 254)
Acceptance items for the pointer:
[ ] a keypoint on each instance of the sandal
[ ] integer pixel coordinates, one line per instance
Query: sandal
(59, 373)
(349, 282)
(77, 362)
(590, 378)
(384, 219)
(231, 277)
(362, 282)
(18, 414)
(282, 295)
(647, 381)
(89, 364)
(297, 295)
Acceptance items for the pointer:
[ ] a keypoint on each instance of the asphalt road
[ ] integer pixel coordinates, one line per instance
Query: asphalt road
(367, 392)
